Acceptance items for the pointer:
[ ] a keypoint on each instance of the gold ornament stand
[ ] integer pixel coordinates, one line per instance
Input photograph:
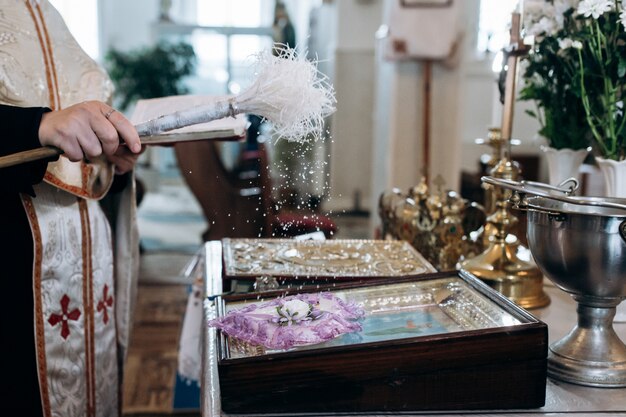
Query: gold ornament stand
(499, 265)
(497, 144)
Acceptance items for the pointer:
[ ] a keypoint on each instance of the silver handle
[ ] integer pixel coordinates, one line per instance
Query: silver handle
(538, 189)
(533, 187)
(563, 186)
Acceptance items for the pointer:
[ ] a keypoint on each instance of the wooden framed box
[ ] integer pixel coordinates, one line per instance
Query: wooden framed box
(442, 341)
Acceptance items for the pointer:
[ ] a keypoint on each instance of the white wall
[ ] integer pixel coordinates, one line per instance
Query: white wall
(480, 98)
(352, 125)
(126, 25)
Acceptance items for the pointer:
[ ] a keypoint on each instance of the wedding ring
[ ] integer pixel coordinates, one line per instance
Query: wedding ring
(109, 113)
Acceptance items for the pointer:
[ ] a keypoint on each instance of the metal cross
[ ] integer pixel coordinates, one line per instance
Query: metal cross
(512, 52)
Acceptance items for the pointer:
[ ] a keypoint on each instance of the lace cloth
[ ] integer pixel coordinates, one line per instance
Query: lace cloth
(286, 322)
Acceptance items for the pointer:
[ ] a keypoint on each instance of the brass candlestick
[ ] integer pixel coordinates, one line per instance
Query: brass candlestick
(499, 265)
(496, 143)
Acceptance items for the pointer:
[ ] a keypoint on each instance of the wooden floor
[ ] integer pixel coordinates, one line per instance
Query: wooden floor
(152, 356)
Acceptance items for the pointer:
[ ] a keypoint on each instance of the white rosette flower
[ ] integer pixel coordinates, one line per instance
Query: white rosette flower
(293, 312)
(595, 8)
(542, 18)
(533, 13)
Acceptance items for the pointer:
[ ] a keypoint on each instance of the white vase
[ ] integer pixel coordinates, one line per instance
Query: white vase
(614, 173)
(564, 163)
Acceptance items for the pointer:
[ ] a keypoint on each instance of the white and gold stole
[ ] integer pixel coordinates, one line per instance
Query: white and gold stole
(83, 299)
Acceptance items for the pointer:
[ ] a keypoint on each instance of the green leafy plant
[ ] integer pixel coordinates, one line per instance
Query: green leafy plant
(550, 76)
(576, 71)
(152, 72)
(602, 71)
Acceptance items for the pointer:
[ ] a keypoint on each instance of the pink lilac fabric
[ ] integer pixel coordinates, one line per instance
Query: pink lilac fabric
(285, 322)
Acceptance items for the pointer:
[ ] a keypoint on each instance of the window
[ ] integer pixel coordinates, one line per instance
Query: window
(494, 23)
(242, 13)
(81, 17)
(224, 35)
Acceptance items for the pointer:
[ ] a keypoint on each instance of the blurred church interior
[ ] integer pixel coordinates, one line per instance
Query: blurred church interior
(375, 138)
(388, 107)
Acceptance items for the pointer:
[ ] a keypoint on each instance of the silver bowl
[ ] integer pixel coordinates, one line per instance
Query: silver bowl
(579, 243)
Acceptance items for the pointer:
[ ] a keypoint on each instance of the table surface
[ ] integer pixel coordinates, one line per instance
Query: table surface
(561, 398)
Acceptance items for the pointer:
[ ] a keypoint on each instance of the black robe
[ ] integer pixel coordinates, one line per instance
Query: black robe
(19, 132)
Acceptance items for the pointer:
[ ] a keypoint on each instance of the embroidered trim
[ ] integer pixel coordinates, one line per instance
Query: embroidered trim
(53, 180)
(55, 98)
(86, 171)
(50, 56)
(40, 340)
(89, 311)
(51, 91)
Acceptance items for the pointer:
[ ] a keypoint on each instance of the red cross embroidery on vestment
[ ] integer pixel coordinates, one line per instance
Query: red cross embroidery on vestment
(107, 301)
(64, 316)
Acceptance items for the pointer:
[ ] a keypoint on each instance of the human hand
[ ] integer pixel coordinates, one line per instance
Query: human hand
(124, 159)
(87, 130)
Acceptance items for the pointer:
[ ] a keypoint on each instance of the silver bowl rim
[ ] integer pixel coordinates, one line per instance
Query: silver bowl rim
(553, 206)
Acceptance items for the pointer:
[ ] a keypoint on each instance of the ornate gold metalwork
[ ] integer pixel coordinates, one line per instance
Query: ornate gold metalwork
(496, 143)
(437, 224)
(329, 258)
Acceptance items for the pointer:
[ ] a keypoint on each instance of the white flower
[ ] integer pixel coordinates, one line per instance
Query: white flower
(565, 43)
(534, 8)
(560, 7)
(622, 18)
(295, 310)
(594, 8)
(545, 26)
(619, 109)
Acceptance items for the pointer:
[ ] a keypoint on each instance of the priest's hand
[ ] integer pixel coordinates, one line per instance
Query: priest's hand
(124, 159)
(88, 130)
